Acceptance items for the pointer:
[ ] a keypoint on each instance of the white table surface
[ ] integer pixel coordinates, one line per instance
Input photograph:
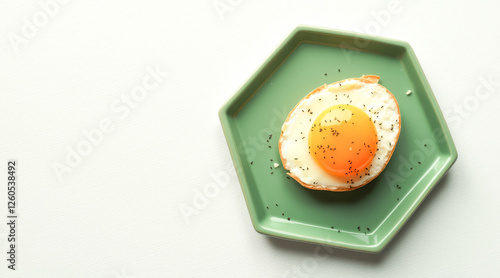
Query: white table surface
(116, 213)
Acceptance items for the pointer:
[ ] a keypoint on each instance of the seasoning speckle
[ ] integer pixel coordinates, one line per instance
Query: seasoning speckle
(408, 92)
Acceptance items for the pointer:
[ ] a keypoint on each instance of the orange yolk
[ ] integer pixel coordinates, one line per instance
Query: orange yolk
(343, 140)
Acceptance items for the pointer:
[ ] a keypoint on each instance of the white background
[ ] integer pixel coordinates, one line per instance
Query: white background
(117, 213)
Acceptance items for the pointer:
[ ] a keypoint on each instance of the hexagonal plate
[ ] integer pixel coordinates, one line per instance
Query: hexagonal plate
(365, 219)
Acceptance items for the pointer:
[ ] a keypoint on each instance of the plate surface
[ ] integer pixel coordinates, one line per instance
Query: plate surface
(365, 219)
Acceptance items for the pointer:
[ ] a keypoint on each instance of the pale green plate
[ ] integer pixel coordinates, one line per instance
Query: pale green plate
(365, 219)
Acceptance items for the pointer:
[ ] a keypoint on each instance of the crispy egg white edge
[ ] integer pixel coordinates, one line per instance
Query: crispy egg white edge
(352, 92)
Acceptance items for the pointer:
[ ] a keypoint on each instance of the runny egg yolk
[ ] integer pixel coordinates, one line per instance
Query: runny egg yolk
(343, 140)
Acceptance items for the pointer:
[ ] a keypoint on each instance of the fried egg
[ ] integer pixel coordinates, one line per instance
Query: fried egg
(341, 136)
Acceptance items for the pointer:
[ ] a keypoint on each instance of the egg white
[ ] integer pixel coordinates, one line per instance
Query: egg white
(373, 99)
